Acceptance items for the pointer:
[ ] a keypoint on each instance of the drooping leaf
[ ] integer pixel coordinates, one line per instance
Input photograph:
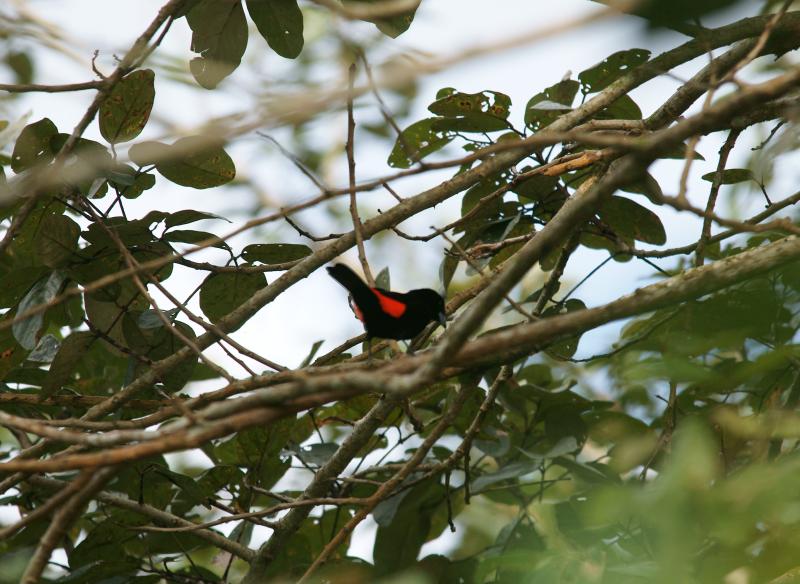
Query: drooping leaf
(125, 111)
(567, 347)
(275, 253)
(219, 35)
(399, 542)
(280, 22)
(630, 220)
(222, 293)
(33, 145)
(649, 187)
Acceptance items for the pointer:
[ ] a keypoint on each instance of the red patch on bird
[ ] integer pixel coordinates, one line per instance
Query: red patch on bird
(390, 306)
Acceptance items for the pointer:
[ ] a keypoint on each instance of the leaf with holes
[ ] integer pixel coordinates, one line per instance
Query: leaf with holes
(33, 145)
(613, 67)
(418, 141)
(545, 107)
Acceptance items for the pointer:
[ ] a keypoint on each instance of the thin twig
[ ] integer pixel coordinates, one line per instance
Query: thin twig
(358, 228)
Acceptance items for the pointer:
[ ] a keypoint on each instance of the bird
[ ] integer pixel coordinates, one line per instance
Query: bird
(386, 314)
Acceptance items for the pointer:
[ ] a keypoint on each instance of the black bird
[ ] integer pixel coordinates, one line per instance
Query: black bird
(390, 315)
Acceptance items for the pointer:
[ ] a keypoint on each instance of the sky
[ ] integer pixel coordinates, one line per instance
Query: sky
(316, 308)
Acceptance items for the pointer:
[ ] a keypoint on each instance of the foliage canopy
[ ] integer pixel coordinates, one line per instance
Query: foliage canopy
(670, 456)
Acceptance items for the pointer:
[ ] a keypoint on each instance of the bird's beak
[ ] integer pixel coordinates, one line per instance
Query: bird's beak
(442, 318)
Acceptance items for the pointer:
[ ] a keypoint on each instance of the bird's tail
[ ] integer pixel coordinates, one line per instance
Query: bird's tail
(359, 290)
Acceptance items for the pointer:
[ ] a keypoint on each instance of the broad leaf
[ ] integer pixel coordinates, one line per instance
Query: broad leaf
(418, 141)
(222, 293)
(275, 253)
(610, 69)
(33, 145)
(125, 111)
(198, 165)
(280, 22)
(632, 221)
(219, 35)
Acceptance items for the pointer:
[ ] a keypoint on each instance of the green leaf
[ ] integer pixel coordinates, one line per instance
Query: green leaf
(613, 67)
(311, 354)
(392, 26)
(632, 221)
(536, 188)
(730, 176)
(275, 253)
(280, 22)
(648, 187)
(33, 145)
(26, 331)
(57, 240)
(21, 65)
(148, 152)
(222, 293)
(397, 544)
(478, 122)
(125, 111)
(162, 343)
(219, 35)
(623, 108)
(129, 182)
(458, 104)
(512, 471)
(678, 152)
(567, 347)
(189, 216)
(66, 360)
(200, 165)
(545, 107)
(192, 236)
(383, 279)
(17, 282)
(416, 142)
